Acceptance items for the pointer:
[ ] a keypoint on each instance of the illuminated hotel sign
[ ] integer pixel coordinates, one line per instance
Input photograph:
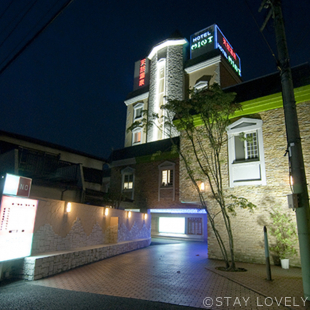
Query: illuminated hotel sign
(16, 185)
(142, 72)
(202, 42)
(141, 76)
(212, 38)
(17, 217)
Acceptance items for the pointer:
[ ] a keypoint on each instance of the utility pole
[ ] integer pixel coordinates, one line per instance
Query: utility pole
(293, 141)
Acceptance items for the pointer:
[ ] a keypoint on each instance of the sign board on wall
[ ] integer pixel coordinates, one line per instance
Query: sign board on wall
(16, 185)
(141, 75)
(211, 38)
(17, 217)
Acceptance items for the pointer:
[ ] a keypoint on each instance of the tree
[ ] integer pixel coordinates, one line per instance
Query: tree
(202, 121)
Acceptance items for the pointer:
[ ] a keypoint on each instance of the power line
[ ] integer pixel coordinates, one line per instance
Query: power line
(21, 19)
(6, 9)
(13, 19)
(35, 36)
(264, 38)
(43, 17)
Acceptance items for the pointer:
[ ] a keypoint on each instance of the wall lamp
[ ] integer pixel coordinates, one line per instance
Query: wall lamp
(68, 207)
(106, 212)
(201, 186)
(145, 216)
(129, 214)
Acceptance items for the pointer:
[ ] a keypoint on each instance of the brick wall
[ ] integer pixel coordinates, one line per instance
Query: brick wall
(147, 184)
(248, 227)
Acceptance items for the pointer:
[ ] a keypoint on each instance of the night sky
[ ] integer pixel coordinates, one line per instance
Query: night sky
(68, 87)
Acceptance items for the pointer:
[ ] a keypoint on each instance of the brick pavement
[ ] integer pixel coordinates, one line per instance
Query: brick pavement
(180, 273)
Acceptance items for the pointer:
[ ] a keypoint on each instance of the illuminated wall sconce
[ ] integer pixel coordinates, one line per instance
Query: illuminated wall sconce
(129, 214)
(201, 186)
(291, 180)
(68, 207)
(106, 212)
(145, 216)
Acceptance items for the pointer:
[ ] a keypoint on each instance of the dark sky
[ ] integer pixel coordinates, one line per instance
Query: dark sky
(68, 87)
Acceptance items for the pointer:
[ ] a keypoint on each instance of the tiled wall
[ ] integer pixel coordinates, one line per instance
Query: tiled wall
(62, 240)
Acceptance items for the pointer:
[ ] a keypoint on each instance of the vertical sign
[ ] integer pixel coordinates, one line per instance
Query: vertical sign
(17, 217)
(142, 72)
(228, 51)
(141, 75)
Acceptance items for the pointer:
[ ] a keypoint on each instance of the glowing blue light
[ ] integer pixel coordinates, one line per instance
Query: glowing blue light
(179, 211)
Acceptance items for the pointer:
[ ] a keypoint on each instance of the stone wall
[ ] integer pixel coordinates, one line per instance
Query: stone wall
(174, 80)
(248, 227)
(41, 266)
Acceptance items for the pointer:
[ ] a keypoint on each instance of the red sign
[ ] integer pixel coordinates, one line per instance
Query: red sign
(16, 185)
(24, 187)
(142, 73)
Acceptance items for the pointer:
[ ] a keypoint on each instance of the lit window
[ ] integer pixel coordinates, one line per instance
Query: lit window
(167, 178)
(128, 181)
(137, 136)
(246, 152)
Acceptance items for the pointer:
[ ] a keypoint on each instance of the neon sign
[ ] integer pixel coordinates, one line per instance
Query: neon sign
(202, 43)
(229, 48)
(142, 72)
(212, 38)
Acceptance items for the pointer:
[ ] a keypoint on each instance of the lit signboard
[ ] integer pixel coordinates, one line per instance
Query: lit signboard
(17, 217)
(212, 38)
(16, 185)
(174, 225)
(141, 75)
(202, 42)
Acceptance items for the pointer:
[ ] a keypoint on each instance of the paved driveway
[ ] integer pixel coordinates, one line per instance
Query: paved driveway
(166, 275)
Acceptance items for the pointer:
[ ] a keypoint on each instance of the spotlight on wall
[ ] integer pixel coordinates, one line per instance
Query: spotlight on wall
(145, 216)
(129, 214)
(68, 207)
(106, 212)
(201, 186)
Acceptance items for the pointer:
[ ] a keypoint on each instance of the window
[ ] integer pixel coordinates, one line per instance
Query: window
(137, 136)
(167, 178)
(246, 152)
(138, 109)
(158, 130)
(166, 181)
(128, 181)
(246, 147)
